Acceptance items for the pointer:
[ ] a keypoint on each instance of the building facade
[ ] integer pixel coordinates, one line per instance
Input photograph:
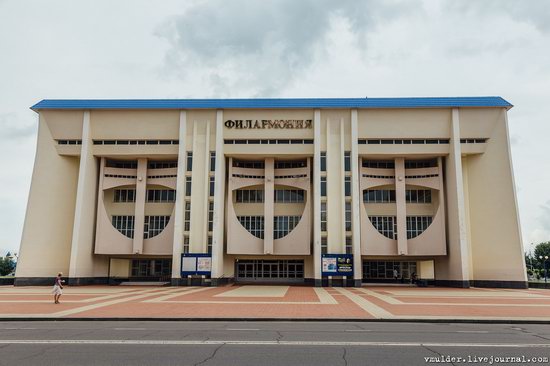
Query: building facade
(318, 191)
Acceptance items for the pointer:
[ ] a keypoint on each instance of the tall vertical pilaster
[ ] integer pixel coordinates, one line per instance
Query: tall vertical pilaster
(219, 203)
(317, 197)
(401, 204)
(356, 198)
(81, 267)
(139, 216)
(454, 268)
(180, 200)
(269, 191)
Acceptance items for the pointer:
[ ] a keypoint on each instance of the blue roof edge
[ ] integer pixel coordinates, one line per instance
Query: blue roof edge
(275, 103)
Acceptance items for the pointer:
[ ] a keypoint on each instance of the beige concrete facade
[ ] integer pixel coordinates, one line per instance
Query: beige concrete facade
(121, 193)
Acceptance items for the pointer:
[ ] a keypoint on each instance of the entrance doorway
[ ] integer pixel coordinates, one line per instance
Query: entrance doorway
(269, 270)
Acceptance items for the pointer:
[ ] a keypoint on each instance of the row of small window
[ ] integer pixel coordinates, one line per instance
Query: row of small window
(268, 142)
(324, 245)
(136, 142)
(153, 225)
(347, 216)
(280, 196)
(282, 225)
(153, 195)
(249, 164)
(387, 225)
(402, 141)
(347, 161)
(132, 164)
(388, 195)
(409, 164)
(69, 142)
(473, 141)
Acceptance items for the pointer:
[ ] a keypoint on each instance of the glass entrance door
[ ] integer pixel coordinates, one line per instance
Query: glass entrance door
(275, 270)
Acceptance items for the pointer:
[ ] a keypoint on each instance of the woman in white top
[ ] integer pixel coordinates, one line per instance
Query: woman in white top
(57, 287)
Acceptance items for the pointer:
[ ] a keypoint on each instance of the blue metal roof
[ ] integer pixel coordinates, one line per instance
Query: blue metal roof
(287, 103)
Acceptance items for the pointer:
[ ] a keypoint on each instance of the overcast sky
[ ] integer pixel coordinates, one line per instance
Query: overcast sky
(283, 48)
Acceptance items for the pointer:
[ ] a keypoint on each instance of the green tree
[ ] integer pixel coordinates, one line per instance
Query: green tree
(7, 265)
(542, 250)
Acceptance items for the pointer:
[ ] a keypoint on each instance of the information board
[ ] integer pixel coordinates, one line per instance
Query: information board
(337, 264)
(196, 264)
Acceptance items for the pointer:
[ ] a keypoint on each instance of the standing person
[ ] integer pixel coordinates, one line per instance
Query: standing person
(395, 275)
(57, 287)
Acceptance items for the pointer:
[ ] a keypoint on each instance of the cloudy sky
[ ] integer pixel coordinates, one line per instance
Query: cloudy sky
(275, 48)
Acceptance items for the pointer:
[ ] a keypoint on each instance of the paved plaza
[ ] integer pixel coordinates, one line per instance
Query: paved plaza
(264, 302)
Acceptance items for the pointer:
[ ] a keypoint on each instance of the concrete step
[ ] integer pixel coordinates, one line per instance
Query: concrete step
(144, 283)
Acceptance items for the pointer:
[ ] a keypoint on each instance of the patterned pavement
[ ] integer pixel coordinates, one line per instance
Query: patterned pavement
(376, 302)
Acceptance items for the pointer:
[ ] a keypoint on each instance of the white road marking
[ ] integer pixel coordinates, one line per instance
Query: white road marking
(472, 331)
(358, 330)
(130, 328)
(269, 343)
(240, 329)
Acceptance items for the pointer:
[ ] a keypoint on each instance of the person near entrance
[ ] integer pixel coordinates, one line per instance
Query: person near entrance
(57, 288)
(395, 275)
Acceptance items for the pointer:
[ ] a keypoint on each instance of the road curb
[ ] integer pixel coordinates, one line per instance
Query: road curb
(323, 320)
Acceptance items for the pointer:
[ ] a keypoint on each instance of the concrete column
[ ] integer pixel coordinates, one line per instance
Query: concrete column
(139, 216)
(356, 199)
(269, 191)
(180, 200)
(219, 200)
(206, 195)
(81, 266)
(454, 268)
(401, 206)
(342, 174)
(317, 197)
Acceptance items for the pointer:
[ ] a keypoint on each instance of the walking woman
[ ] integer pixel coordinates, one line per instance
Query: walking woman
(57, 287)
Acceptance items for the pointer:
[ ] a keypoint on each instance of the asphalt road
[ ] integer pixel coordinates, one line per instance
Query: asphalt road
(267, 343)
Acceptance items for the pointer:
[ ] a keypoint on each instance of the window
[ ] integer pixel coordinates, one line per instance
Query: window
(347, 186)
(161, 195)
(162, 164)
(379, 196)
(379, 164)
(253, 224)
(189, 161)
(282, 225)
(212, 161)
(384, 269)
(186, 244)
(415, 164)
(212, 186)
(347, 161)
(289, 195)
(323, 161)
(248, 164)
(349, 245)
(122, 164)
(323, 216)
(323, 186)
(188, 186)
(266, 142)
(386, 225)
(348, 216)
(324, 245)
(209, 246)
(249, 196)
(210, 216)
(154, 225)
(187, 221)
(416, 225)
(125, 195)
(290, 164)
(124, 224)
(418, 196)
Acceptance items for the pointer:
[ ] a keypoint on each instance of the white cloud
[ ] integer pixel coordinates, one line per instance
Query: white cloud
(283, 48)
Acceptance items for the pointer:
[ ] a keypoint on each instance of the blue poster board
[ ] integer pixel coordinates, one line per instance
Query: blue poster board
(337, 264)
(196, 264)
